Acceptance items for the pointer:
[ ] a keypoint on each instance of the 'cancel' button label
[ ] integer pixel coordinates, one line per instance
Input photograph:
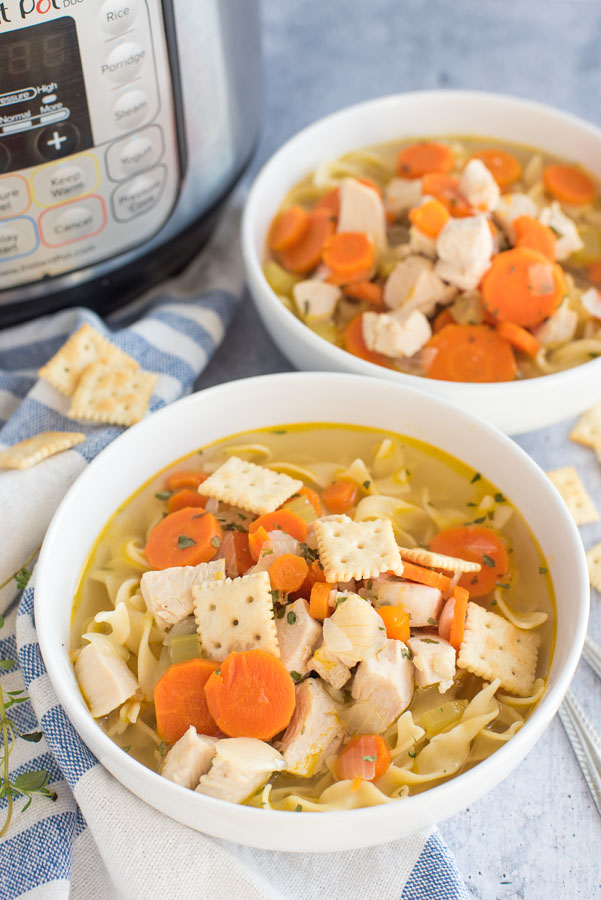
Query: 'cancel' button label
(139, 195)
(73, 222)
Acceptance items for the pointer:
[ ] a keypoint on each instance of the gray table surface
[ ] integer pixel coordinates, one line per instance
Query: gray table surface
(538, 834)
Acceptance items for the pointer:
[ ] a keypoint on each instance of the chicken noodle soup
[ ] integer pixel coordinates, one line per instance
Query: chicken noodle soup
(313, 617)
(453, 259)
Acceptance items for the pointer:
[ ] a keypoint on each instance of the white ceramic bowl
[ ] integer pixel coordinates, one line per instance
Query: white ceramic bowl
(514, 407)
(215, 413)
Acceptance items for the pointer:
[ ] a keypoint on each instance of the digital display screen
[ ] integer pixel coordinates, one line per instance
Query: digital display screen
(43, 105)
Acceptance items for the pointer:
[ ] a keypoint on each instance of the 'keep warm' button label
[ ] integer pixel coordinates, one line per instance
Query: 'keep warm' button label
(139, 195)
(73, 221)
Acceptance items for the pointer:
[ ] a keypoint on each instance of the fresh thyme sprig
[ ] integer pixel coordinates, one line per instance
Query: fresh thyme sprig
(22, 575)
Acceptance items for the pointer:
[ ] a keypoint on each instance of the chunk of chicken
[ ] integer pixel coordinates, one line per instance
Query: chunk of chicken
(423, 603)
(189, 758)
(104, 678)
(464, 247)
(315, 731)
(401, 194)
(168, 592)
(240, 767)
(298, 634)
(413, 284)
(567, 239)
(278, 544)
(478, 186)
(509, 208)
(329, 667)
(395, 336)
(434, 661)
(361, 209)
(558, 328)
(316, 300)
(386, 680)
(422, 243)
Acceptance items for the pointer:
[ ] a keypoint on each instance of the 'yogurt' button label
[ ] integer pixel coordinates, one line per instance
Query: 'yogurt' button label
(124, 62)
(134, 154)
(131, 109)
(116, 16)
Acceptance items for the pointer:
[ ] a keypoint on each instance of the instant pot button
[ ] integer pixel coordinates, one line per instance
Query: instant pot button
(123, 62)
(14, 196)
(4, 158)
(140, 195)
(64, 181)
(72, 222)
(17, 238)
(57, 141)
(131, 109)
(131, 155)
(117, 16)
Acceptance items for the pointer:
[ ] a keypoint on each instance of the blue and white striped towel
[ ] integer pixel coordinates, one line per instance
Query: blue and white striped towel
(97, 841)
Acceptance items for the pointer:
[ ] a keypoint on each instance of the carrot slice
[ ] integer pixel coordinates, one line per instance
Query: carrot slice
(236, 551)
(314, 576)
(186, 497)
(184, 538)
(283, 520)
(430, 218)
(179, 480)
(396, 621)
(288, 572)
(340, 496)
(503, 166)
(477, 544)
(347, 279)
(348, 252)
(366, 756)
(331, 202)
(288, 228)
(522, 286)
(319, 601)
(179, 699)
(460, 598)
(444, 317)
(445, 189)
(305, 254)
(594, 272)
(256, 539)
(529, 232)
(251, 694)
(427, 156)
(354, 343)
(421, 575)
(368, 291)
(518, 337)
(313, 498)
(569, 184)
(471, 353)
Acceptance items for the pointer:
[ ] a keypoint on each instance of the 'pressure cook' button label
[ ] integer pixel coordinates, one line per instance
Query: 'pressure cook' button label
(17, 238)
(131, 109)
(116, 16)
(14, 196)
(140, 195)
(124, 62)
(73, 221)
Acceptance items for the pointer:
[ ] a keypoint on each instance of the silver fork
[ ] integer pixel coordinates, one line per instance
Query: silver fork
(585, 741)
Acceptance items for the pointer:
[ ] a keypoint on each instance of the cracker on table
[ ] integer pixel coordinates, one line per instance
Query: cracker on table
(33, 450)
(235, 614)
(593, 560)
(251, 487)
(587, 430)
(568, 483)
(432, 560)
(350, 549)
(108, 392)
(494, 648)
(84, 347)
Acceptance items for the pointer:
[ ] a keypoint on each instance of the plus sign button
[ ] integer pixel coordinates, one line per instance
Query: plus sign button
(57, 141)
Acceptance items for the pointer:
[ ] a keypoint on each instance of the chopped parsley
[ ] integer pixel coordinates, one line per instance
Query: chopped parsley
(412, 754)
(477, 477)
(367, 485)
(369, 758)
(279, 431)
(216, 541)
(276, 596)
(296, 676)
(504, 586)
(340, 599)
(542, 570)
(163, 495)
(471, 503)
(493, 602)
(488, 561)
(291, 618)
(126, 749)
(499, 498)
(432, 621)
(428, 641)
(162, 748)
(184, 541)
(406, 653)
(298, 808)
(267, 552)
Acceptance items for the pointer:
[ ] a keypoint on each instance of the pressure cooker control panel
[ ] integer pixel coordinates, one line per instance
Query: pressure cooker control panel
(88, 144)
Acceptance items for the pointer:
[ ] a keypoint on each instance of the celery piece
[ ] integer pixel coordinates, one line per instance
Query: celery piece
(439, 718)
(183, 647)
(278, 278)
(325, 330)
(302, 507)
(590, 253)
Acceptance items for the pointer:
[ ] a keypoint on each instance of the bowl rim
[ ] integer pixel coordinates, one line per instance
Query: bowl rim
(342, 358)
(91, 732)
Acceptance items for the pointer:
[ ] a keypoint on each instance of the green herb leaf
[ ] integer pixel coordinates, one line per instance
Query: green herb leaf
(291, 618)
(184, 541)
(340, 599)
(1, 621)
(369, 758)
(279, 431)
(476, 478)
(296, 676)
(163, 495)
(488, 561)
(22, 577)
(31, 782)
(267, 552)
(479, 520)
(126, 749)
(428, 641)
(367, 485)
(542, 570)
(412, 754)
(504, 585)
(162, 747)
(298, 808)
(499, 498)
(216, 542)
(6, 664)
(33, 737)
(432, 621)
(406, 653)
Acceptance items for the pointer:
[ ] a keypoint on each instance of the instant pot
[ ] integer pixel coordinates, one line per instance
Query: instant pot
(123, 126)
